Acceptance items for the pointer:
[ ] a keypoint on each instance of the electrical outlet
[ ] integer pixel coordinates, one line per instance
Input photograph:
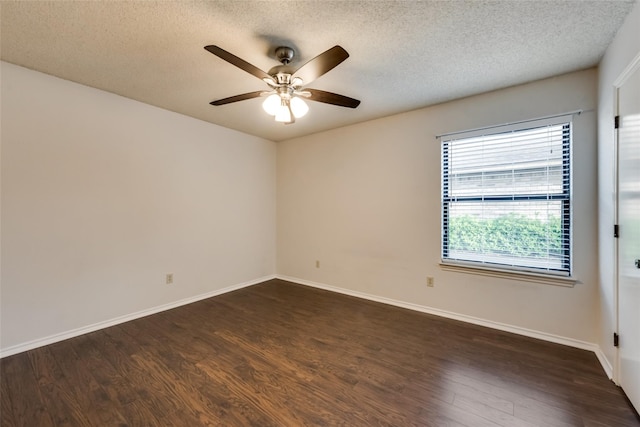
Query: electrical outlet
(169, 279)
(317, 263)
(430, 282)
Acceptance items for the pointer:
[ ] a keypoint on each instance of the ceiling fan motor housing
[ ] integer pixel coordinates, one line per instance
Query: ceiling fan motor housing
(284, 54)
(282, 73)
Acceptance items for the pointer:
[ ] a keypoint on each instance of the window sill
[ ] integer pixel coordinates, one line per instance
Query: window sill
(546, 279)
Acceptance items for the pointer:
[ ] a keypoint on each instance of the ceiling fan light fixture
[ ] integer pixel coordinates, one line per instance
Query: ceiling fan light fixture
(299, 107)
(272, 104)
(284, 107)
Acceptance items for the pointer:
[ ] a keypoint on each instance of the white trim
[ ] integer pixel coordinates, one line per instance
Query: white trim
(606, 365)
(616, 249)
(40, 342)
(507, 127)
(627, 72)
(633, 66)
(525, 276)
(583, 345)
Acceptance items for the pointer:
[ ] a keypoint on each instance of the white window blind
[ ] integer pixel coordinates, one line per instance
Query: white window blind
(506, 197)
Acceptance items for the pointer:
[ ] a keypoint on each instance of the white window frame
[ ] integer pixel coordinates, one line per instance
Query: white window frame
(562, 277)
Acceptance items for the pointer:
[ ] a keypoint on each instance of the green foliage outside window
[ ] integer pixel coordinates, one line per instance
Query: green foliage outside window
(512, 234)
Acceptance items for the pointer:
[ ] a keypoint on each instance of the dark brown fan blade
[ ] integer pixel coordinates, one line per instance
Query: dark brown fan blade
(321, 64)
(332, 98)
(237, 98)
(240, 63)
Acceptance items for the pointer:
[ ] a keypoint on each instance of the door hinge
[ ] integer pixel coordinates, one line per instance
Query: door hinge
(616, 339)
(616, 230)
(616, 122)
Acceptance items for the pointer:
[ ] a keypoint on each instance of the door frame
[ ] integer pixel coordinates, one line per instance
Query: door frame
(631, 68)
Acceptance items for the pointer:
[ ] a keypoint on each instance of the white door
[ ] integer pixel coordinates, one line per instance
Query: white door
(629, 240)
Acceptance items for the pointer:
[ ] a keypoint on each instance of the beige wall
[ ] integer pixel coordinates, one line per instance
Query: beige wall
(102, 196)
(364, 201)
(621, 52)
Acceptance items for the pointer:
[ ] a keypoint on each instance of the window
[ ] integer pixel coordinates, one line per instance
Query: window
(506, 197)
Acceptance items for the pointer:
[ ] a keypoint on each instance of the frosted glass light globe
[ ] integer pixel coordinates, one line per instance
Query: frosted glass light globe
(299, 107)
(271, 104)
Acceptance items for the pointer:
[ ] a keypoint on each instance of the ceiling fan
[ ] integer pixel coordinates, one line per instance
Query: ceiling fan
(284, 100)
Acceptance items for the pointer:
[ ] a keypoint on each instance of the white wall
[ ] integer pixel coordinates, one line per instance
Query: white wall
(621, 52)
(364, 200)
(102, 195)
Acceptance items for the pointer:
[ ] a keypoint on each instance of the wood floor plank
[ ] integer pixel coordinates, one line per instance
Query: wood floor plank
(280, 383)
(139, 413)
(281, 354)
(27, 407)
(90, 396)
(57, 395)
(45, 367)
(208, 395)
(6, 410)
(99, 363)
(502, 418)
(122, 348)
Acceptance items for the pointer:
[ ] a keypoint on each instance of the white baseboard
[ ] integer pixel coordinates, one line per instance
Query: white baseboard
(121, 319)
(584, 345)
(606, 365)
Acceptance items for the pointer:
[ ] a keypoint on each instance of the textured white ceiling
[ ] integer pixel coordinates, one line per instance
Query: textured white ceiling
(404, 54)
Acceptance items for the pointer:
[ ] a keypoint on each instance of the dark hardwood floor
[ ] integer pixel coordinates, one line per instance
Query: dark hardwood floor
(280, 354)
